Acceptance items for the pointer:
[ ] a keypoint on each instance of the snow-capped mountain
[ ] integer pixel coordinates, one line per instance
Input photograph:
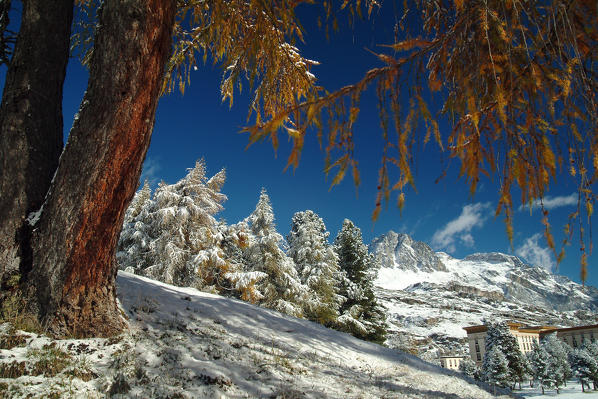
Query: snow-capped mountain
(402, 252)
(431, 296)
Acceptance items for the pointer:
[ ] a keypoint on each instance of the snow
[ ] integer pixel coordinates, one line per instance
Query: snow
(202, 345)
(391, 279)
(33, 217)
(571, 391)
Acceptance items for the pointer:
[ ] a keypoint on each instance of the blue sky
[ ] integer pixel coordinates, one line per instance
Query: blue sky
(198, 125)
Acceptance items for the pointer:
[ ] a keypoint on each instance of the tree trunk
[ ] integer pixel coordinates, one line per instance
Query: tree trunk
(74, 242)
(31, 123)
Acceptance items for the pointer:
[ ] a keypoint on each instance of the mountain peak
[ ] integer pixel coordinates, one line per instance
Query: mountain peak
(400, 251)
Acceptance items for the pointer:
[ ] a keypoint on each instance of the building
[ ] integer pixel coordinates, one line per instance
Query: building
(526, 336)
(451, 361)
(575, 336)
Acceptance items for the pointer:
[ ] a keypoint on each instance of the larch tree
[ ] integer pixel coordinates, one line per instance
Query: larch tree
(317, 265)
(30, 121)
(67, 263)
(185, 250)
(516, 83)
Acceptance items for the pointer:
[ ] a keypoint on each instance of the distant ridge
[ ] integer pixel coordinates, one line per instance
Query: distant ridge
(431, 296)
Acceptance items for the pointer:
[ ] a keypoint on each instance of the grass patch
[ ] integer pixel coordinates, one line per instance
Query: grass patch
(81, 369)
(13, 310)
(13, 369)
(49, 360)
(11, 339)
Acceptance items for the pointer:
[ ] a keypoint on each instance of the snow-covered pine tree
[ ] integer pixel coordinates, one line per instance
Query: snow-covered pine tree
(584, 366)
(498, 335)
(184, 246)
(134, 243)
(542, 367)
(559, 359)
(469, 368)
(361, 314)
(317, 265)
(282, 289)
(186, 251)
(236, 239)
(591, 347)
(496, 368)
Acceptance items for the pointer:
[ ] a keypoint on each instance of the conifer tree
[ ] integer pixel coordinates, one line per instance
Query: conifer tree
(498, 335)
(235, 240)
(361, 314)
(185, 241)
(584, 366)
(469, 368)
(557, 353)
(592, 348)
(282, 290)
(317, 265)
(496, 368)
(542, 366)
(134, 243)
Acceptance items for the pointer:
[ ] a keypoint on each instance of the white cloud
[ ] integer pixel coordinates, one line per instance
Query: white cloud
(150, 170)
(553, 202)
(535, 254)
(459, 229)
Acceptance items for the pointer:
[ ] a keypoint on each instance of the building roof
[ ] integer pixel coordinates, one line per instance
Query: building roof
(475, 329)
(576, 328)
(529, 329)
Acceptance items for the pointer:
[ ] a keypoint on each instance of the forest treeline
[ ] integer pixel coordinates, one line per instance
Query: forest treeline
(172, 235)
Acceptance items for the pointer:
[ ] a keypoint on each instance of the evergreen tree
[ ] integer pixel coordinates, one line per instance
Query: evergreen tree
(185, 251)
(496, 367)
(592, 348)
(361, 314)
(317, 265)
(235, 239)
(134, 243)
(469, 368)
(542, 366)
(282, 290)
(584, 366)
(558, 354)
(498, 335)
(184, 239)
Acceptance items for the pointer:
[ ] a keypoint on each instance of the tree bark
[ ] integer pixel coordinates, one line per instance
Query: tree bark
(74, 242)
(31, 123)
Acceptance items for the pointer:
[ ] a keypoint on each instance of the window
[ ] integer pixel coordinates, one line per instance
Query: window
(479, 357)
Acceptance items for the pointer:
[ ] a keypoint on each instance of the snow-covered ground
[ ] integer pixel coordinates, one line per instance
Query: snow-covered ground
(571, 391)
(187, 344)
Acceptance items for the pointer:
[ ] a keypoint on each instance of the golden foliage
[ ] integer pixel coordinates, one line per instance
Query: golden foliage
(251, 39)
(517, 81)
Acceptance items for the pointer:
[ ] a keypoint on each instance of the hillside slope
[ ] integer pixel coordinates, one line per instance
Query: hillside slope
(187, 344)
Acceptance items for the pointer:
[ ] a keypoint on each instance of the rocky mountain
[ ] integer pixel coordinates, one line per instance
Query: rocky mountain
(401, 251)
(431, 296)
